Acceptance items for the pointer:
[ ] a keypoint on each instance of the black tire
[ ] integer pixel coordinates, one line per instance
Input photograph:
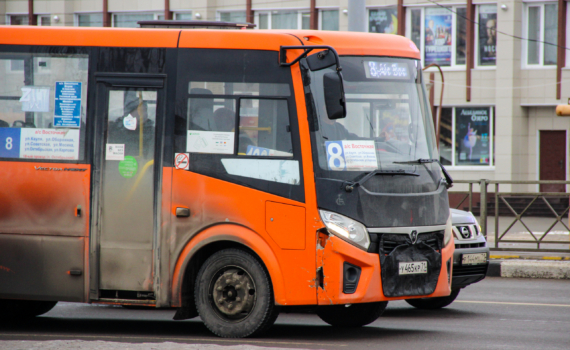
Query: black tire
(433, 303)
(234, 295)
(356, 315)
(22, 309)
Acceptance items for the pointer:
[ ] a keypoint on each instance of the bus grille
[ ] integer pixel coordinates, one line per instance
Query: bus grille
(389, 245)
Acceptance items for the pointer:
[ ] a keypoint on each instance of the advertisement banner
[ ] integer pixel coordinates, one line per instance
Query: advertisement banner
(383, 21)
(472, 129)
(488, 35)
(438, 33)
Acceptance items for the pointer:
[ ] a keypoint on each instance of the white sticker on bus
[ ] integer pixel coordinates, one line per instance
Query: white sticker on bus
(115, 151)
(49, 144)
(274, 170)
(210, 142)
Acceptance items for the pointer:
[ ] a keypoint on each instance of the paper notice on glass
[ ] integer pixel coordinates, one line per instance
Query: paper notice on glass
(35, 99)
(115, 151)
(49, 144)
(210, 142)
(351, 155)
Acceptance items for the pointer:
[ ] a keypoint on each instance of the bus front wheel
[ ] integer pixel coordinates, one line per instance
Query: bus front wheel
(21, 309)
(234, 296)
(355, 315)
(434, 303)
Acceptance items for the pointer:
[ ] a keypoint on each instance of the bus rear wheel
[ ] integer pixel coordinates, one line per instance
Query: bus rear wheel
(234, 296)
(355, 315)
(433, 303)
(22, 309)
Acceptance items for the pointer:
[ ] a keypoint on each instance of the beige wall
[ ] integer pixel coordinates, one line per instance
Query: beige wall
(523, 97)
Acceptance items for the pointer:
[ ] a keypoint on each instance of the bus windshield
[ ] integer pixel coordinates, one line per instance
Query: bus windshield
(387, 122)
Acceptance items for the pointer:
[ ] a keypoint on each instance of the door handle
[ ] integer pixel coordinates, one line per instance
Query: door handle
(182, 212)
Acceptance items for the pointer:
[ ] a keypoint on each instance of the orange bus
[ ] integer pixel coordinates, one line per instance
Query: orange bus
(231, 174)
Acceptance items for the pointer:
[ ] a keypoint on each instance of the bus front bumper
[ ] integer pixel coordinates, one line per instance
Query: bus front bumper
(349, 275)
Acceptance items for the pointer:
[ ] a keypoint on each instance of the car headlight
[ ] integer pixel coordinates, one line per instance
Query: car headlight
(447, 233)
(349, 230)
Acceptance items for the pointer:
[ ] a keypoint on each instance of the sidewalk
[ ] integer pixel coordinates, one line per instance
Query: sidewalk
(521, 264)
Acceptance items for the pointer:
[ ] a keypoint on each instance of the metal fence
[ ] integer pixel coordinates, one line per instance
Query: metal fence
(505, 210)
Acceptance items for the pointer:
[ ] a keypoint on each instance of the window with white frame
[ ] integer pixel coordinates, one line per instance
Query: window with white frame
(487, 35)
(183, 16)
(383, 20)
(89, 19)
(18, 20)
(129, 20)
(466, 136)
(233, 16)
(328, 19)
(440, 34)
(283, 19)
(541, 26)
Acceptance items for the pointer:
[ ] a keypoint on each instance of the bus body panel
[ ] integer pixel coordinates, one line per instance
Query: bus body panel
(44, 210)
(78, 36)
(220, 209)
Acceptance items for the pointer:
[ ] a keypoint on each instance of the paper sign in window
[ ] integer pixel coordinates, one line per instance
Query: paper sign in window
(210, 142)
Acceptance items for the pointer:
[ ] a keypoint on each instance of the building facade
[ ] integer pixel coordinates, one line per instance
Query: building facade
(504, 64)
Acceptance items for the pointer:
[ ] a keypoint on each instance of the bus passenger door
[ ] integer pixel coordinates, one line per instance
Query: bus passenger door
(126, 188)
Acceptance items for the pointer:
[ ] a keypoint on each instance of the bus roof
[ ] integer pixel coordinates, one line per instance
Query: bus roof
(346, 43)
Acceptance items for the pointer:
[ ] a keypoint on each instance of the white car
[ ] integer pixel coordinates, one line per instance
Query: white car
(470, 260)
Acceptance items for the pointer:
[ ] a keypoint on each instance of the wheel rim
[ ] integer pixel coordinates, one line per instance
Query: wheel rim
(232, 293)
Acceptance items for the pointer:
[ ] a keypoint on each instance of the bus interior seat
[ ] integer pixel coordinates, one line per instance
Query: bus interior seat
(4, 124)
(201, 110)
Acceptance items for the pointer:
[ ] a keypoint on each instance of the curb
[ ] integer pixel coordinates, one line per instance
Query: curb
(527, 268)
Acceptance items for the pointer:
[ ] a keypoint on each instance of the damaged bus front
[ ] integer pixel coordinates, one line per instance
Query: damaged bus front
(381, 192)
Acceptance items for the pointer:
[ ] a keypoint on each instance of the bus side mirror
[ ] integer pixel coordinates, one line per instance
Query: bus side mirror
(334, 95)
(321, 60)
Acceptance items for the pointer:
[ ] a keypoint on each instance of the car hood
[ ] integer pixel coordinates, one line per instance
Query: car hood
(459, 217)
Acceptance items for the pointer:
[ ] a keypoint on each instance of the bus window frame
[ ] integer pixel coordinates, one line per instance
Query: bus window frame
(88, 134)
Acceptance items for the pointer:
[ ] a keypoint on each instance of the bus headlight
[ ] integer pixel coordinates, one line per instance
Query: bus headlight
(350, 230)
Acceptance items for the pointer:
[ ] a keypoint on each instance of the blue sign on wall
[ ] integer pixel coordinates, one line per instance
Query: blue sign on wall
(67, 104)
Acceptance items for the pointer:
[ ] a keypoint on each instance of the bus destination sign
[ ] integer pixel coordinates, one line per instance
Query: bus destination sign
(386, 70)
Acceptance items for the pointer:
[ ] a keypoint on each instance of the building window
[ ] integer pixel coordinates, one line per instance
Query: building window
(384, 20)
(233, 16)
(18, 20)
(44, 20)
(89, 19)
(182, 16)
(487, 35)
(440, 34)
(466, 136)
(542, 32)
(328, 19)
(129, 20)
(286, 19)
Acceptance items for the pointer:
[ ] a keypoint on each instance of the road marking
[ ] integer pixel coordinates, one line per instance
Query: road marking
(236, 341)
(509, 303)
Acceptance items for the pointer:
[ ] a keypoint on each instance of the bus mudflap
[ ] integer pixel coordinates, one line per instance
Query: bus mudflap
(403, 268)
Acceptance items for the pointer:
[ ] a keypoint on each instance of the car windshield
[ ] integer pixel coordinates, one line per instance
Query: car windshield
(388, 119)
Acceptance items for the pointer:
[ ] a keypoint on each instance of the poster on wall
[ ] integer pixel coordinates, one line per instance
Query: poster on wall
(472, 129)
(383, 21)
(487, 35)
(438, 36)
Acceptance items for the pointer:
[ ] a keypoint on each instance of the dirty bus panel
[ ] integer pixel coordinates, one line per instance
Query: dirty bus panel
(44, 199)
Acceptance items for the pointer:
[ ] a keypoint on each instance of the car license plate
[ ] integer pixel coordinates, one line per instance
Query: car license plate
(412, 268)
(474, 259)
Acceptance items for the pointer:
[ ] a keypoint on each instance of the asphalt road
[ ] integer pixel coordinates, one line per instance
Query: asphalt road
(497, 313)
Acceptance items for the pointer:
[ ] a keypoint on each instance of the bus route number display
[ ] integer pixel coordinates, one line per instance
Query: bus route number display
(386, 70)
(351, 155)
(33, 143)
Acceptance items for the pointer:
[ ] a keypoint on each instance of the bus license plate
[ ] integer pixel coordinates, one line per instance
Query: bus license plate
(411, 268)
(474, 259)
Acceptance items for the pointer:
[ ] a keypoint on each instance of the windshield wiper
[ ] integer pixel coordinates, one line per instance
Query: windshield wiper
(349, 186)
(448, 179)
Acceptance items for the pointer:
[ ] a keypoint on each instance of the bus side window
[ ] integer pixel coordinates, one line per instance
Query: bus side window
(264, 128)
(43, 105)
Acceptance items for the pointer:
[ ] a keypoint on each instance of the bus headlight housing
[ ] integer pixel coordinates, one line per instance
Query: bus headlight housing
(350, 230)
